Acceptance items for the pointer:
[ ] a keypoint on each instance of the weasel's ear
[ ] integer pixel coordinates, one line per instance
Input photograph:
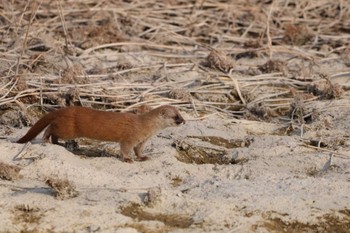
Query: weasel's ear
(142, 109)
(163, 112)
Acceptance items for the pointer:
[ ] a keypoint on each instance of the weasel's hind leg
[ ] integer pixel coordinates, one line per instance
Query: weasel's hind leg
(49, 134)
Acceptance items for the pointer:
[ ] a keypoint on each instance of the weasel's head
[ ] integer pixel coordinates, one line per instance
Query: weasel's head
(170, 116)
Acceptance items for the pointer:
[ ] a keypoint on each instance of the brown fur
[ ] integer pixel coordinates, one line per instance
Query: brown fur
(130, 130)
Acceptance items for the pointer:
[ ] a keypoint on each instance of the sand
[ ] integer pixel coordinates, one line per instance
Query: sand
(272, 182)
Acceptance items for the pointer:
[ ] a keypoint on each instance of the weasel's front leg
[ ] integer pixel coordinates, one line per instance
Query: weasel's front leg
(125, 149)
(138, 149)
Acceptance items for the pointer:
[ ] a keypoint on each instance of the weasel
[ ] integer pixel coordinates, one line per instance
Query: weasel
(130, 130)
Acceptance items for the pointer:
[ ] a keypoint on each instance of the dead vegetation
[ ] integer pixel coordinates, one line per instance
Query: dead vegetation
(9, 172)
(139, 213)
(176, 181)
(27, 217)
(63, 188)
(128, 53)
(335, 222)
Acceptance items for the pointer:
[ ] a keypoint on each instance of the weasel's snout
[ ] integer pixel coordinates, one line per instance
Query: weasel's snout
(179, 120)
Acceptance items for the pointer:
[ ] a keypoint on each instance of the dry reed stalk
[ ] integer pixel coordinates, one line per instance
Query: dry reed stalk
(145, 43)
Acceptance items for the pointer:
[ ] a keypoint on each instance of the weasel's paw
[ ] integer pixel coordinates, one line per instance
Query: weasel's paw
(128, 160)
(143, 158)
(71, 145)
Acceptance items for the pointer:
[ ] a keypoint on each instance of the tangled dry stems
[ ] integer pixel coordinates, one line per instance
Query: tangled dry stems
(63, 188)
(9, 172)
(122, 54)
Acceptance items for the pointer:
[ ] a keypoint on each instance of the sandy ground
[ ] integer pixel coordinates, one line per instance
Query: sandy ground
(256, 178)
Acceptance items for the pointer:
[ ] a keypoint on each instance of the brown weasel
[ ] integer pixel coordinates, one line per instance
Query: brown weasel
(130, 130)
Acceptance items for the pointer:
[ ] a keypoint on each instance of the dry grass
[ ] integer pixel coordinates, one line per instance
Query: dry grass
(122, 54)
(27, 218)
(64, 189)
(9, 172)
(333, 222)
(139, 213)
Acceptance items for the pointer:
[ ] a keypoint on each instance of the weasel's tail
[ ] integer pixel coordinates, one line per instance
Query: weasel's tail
(39, 126)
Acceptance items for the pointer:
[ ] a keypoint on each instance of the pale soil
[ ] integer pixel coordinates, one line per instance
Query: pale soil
(274, 183)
